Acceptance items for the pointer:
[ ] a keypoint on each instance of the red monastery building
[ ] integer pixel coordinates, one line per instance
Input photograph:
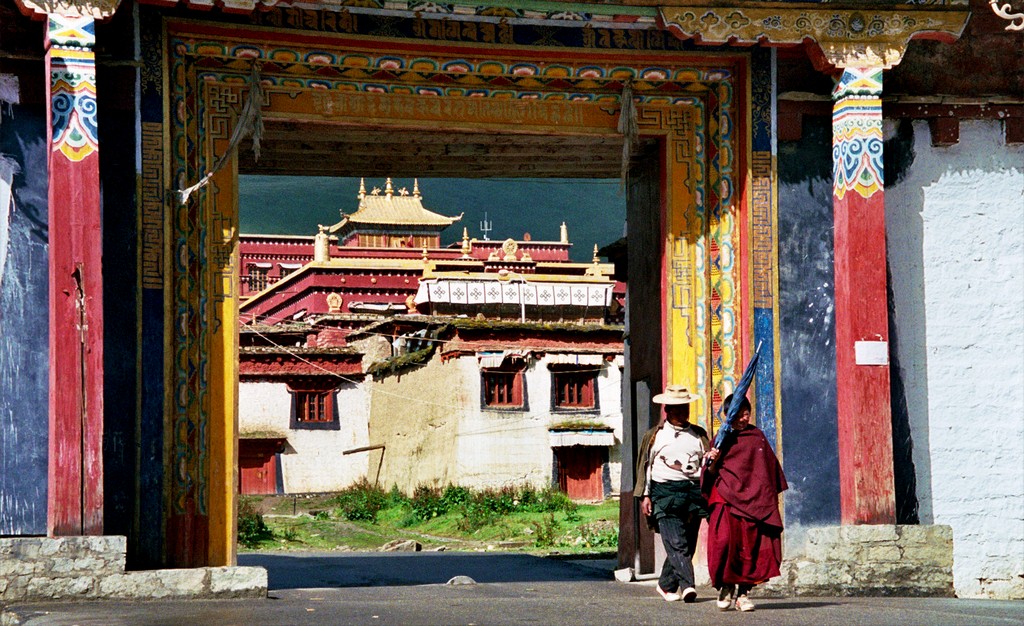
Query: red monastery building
(326, 320)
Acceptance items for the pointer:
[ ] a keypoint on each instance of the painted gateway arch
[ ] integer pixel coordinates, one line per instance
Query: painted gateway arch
(702, 85)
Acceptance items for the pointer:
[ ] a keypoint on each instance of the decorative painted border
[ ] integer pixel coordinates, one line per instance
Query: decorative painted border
(72, 64)
(206, 88)
(857, 133)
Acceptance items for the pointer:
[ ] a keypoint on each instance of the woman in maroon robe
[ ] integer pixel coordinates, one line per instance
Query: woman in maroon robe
(745, 527)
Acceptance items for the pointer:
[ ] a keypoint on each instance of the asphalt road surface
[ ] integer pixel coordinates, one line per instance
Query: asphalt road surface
(405, 589)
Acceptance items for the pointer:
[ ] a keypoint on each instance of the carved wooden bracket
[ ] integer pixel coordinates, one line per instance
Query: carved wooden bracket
(862, 36)
(96, 9)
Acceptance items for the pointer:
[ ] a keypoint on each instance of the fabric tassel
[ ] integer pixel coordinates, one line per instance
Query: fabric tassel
(250, 124)
(629, 128)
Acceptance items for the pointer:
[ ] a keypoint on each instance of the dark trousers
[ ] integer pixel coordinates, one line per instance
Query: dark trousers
(680, 539)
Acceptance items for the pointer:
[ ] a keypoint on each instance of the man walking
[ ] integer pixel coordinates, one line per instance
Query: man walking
(667, 483)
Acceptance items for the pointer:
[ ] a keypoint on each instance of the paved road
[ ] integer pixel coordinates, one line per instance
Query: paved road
(410, 589)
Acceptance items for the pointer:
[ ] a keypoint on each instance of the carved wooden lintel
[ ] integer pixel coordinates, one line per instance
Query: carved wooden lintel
(861, 36)
(96, 9)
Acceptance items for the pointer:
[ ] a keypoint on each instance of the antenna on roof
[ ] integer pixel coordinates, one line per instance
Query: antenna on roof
(486, 226)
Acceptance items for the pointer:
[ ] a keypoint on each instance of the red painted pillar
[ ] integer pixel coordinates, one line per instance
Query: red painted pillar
(76, 298)
(862, 363)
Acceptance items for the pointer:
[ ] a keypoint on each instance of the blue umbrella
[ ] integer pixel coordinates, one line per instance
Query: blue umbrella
(737, 399)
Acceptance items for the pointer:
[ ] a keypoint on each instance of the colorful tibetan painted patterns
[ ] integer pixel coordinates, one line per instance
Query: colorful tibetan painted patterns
(73, 86)
(857, 133)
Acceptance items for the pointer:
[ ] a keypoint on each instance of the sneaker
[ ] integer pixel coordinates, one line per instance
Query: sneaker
(670, 596)
(725, 597)
(744, 604)
(689, 594)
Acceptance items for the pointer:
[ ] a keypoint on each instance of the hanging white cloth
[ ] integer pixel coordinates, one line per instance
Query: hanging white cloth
(250, 123)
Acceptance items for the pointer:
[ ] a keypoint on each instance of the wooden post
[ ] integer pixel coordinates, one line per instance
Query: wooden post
(75, 496)
(862, 365)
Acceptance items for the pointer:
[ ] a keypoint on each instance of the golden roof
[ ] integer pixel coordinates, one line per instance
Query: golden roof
(393, 209)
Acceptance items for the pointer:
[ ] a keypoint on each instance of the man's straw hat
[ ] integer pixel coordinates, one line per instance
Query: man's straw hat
(675, 394)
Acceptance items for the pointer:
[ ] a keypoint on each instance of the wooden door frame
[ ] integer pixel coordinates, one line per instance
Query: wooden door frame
(697, 103)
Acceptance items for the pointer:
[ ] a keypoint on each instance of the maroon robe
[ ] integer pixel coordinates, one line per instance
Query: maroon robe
(745, 527)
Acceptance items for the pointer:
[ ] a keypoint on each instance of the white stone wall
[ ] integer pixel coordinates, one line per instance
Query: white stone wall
(313, 460)
(956, 251)
(521, 451)
(437, 433)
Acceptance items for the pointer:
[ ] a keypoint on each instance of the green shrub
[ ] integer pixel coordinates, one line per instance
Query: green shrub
(427, 503)
(396, 498)
(594, 536)
(499, 501)
(251, 527)
(455, 497)
(545, 531)
(289, 534)
(361, 502)
(572, 512)
(476, 515)
(551, 501)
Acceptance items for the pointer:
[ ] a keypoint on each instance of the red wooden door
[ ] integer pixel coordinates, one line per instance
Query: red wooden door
(580, 472)
(257, 467)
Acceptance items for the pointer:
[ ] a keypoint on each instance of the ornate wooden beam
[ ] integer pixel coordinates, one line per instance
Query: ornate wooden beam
(862, 35)
(96, 9)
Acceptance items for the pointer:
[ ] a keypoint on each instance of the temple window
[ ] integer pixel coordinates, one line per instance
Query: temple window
(313, 404)
(256, 276)
(502, 388)
(573, 389)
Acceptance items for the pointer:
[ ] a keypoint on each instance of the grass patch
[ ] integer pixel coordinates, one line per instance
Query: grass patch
(365, 517)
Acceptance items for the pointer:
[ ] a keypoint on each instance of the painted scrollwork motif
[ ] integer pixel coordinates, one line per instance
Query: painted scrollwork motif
(1004, 11)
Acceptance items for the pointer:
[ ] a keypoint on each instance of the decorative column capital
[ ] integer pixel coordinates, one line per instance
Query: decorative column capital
(859, 81)
(848, 36)
(96, 9)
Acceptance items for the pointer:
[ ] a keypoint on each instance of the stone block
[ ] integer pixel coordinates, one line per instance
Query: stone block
(51, 547)
(883, 554)
(155, 584)
(916, 534)
(26, 548)
(238, 582)
(867, 533)
(825, 536)
(46, 588)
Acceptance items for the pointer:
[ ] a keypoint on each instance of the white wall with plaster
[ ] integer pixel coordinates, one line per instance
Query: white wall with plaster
(498, 448)
(313, 460)
(437, 433)
(955, 228)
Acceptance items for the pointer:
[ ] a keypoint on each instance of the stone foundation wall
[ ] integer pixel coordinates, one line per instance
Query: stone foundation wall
(82, 568)
(869, 561)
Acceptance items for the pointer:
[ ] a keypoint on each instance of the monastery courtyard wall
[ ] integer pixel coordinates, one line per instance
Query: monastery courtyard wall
(956, 253)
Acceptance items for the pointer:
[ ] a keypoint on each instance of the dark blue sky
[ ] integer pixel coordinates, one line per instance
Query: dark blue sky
(592, 209)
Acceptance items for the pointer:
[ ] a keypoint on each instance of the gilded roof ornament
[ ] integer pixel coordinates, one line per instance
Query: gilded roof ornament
(416, 188)
(388, 189)
(362, 188)
(509, 247)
